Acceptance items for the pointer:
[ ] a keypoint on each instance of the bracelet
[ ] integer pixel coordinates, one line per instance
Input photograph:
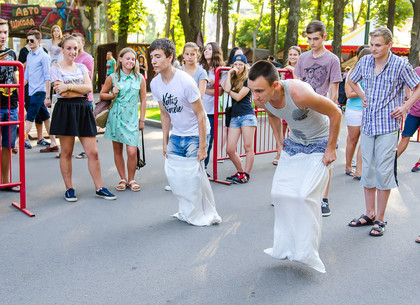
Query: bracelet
(71, 87)
(142, 120)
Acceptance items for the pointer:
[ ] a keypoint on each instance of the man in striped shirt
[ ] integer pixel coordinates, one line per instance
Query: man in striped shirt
(384, 76)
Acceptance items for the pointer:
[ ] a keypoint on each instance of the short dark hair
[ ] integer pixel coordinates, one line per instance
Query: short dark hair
(265, 69)
(271, 57)
(35, 33)
(166, 45)
(316, 26)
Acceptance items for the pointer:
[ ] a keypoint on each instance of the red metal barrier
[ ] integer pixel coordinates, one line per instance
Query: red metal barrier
(21, 124)
(264, 141)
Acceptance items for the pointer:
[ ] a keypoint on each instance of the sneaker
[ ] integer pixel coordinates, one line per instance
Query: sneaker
(242, 178)
(28, 144)
(325, 208)
(416, 167)
(43, 142)
(70, 195)
(168, 188)
(230, 178)
(105, 194)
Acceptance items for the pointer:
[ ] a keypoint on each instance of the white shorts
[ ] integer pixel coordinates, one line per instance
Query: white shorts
(353, 117)
(379, 160)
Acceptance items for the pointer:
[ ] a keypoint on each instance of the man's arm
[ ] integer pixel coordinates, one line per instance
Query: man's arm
(198, 109)
(277, 127)
(399, 112)
(304, 97)
(334, 92)
(166, 126)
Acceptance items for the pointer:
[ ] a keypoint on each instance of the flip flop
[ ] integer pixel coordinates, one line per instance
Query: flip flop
(380, 229)
(356, 177)
(418, 240)
(358, 223)
(122, 185)
(350, 173)
(82, 155)
(134, 186)
(275, 162)
(10, 189)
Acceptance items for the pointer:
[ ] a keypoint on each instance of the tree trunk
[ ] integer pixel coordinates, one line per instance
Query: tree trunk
(225, 25)
(354, 18)
(123, 25)
(254, 52)
(204, 19)
(219, 11)
(277, 32)
(191, 18)
(168, 19)
(415, 35)
(235, 25)
(273, 26)
(110, 34)
(339, 6)
(391, 15)
(292, 26)
(319, 10)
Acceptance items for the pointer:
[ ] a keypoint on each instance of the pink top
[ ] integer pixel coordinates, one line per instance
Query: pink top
(415, 109)
(87, 60)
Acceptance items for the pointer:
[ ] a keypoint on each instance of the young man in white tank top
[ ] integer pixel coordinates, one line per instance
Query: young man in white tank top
(314, 122)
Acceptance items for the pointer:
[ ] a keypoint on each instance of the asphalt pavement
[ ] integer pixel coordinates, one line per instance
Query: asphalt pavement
(130, 251)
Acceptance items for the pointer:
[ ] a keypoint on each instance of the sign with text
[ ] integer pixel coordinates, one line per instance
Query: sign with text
(23, 17)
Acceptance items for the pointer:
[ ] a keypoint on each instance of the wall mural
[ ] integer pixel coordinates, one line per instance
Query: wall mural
(23, 17)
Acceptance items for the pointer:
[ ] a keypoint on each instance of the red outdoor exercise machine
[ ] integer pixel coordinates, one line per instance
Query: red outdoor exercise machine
(21, 123)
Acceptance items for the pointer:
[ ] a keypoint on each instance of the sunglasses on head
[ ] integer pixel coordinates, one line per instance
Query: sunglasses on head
(30, 40)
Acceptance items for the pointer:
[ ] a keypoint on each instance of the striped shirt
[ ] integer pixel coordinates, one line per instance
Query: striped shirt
(383, 92)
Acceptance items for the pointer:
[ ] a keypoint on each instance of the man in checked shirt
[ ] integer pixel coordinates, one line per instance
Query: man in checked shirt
(384, 76)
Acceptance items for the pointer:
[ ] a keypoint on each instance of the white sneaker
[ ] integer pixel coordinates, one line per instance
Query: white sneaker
(168, 188)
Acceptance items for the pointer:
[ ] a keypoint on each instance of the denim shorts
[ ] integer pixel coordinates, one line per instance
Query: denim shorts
(243, 121)
(184, 146)
(36, 106)
(412, 123)
(5, 130)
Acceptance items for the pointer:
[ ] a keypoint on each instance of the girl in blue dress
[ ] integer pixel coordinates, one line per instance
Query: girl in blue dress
(123, 125)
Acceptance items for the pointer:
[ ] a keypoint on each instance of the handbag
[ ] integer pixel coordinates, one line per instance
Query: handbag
(141, 162)
(102, 108)
(228, 111)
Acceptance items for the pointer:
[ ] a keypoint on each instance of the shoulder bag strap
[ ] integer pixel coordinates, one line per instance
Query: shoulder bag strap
(113, 85)
(142, 146)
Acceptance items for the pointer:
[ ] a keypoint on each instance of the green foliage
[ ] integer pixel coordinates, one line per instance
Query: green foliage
(136, 15)
(379, 11)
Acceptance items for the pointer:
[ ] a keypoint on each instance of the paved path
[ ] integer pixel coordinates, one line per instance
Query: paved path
(130, 251)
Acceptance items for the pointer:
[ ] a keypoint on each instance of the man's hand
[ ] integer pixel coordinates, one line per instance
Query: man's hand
(47, 102)
(398, 112)
(201, 154)
(329, 157)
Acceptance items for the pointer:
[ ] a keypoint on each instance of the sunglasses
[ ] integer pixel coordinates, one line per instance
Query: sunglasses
(30, 40)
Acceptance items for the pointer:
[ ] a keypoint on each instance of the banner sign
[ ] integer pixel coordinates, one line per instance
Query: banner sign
(23, 17)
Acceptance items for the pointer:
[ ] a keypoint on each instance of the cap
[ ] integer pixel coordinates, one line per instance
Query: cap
(240, 57)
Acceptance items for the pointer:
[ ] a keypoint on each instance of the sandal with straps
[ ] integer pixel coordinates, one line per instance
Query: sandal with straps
(134, 186)
(122, 185)
(380, 229)
(358, 223)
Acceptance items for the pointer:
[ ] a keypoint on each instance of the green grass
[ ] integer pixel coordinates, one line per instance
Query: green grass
(153, 113)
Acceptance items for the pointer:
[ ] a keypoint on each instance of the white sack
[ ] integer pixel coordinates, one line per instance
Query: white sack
(190, 184)
(299, 184)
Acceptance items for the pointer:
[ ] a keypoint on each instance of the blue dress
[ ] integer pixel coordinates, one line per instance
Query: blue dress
(123, 119)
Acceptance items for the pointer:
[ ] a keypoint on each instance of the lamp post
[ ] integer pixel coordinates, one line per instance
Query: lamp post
(367, 24)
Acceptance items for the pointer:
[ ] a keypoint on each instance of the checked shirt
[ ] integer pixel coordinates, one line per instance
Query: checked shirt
(383, 92)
